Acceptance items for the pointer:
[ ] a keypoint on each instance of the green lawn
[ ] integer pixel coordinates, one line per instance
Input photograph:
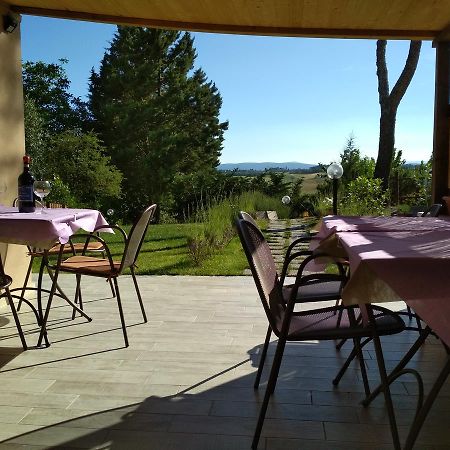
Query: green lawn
(165, 252)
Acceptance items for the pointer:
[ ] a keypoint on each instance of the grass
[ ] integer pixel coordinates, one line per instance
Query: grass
(165, 252)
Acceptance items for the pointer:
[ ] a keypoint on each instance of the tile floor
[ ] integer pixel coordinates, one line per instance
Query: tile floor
(186, 380)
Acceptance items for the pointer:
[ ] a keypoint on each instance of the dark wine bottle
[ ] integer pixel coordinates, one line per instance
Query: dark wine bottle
(25, 188)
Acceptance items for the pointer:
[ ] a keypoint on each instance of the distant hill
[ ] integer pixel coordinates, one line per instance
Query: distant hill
(264, 165)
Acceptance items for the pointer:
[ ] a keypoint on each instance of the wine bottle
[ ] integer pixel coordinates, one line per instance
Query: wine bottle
(25, 188)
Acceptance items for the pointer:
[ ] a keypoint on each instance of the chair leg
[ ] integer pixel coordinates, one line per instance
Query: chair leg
(25, 282)
(262, 358)
(16, 319)
(122, 319)
(269, 390)
(340, 344)
(113, 292)
(362, 365)
(384, 380)
(77, 295)
(138, 292)
(408, 309)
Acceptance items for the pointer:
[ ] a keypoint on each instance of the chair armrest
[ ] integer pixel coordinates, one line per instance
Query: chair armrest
(297, 241)
(301, 280)
(88, 237)
(289, 258)
(310, 256)
(112, 227)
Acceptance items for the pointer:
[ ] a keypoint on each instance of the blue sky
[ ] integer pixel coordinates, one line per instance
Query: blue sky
(287, 99)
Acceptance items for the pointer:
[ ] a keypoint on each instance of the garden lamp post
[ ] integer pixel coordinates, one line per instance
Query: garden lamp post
(335, 171)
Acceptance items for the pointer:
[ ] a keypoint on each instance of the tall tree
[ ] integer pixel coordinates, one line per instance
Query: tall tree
(389, 102)
(155, 114)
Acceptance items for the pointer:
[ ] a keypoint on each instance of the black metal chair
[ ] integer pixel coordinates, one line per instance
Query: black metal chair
(104, 267)
(331, 323)
(5, 282)
(328, 289)
(433, 210)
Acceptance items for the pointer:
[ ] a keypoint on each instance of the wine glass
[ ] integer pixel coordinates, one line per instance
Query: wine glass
(41, 189)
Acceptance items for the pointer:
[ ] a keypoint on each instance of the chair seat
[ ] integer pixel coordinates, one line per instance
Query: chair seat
(313, 292)
(89, 265)
(334, 323)
(78, 247)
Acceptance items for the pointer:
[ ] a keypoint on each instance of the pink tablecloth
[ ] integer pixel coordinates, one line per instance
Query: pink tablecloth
(331, 224)
(44, 230)
(412, 266)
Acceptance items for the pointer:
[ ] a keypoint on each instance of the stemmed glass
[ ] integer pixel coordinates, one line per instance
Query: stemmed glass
(41, 189)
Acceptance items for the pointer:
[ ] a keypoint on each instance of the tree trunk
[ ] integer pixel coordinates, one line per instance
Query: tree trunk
(389, 102)
(385, 146)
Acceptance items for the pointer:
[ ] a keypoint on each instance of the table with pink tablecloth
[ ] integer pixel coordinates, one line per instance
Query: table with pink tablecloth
(395, 258)
(398, 258)
(46, 229)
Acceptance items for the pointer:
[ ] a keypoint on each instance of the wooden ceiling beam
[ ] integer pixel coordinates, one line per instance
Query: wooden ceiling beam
(231, 29)
(442, 36)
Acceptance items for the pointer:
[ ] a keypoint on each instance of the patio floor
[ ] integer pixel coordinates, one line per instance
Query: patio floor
(186, 381)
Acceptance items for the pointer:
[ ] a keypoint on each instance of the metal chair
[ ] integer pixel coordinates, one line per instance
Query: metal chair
(328, 289)
(104, 267)
(69, 248)
(332, 323)
(432, 211)
(5, 282)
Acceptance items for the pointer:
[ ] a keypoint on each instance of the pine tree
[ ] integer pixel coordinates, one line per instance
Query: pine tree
(154, 113)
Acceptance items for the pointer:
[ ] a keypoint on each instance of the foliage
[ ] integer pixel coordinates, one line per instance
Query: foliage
(301, 202)
(73, 161)
(217, 222)
(216, 231)
(47, 85)
(60, 192)
(157, 116)
(77, 161)
(36, 137)
(353, 164)
(409, 185)
(364, 196)
(191, 192)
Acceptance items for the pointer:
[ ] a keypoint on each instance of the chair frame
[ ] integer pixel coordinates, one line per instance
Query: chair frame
(112, 274)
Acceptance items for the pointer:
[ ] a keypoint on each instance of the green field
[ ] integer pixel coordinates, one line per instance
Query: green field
(310, 181)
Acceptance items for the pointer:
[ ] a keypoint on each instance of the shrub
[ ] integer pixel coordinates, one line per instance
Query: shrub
(364, 196)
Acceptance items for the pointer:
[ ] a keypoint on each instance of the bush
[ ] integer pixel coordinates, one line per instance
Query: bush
(364, 196)
(217, 222)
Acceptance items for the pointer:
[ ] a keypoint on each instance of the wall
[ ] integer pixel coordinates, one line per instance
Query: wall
(12, 140)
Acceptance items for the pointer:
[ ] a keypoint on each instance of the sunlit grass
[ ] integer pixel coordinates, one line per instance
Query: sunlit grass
(165, 252)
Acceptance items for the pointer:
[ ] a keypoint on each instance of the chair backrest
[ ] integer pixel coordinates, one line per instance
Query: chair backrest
(136, 237)
(263, 270)
(246, 216)
(433, 210)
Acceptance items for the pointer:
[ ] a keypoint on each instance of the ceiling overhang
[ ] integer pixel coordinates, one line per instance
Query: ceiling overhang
(389, 19)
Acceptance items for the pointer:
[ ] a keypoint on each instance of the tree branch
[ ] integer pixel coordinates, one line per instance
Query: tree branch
(408, 71)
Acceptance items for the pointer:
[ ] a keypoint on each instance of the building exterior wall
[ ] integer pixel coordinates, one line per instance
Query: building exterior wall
(12, 140)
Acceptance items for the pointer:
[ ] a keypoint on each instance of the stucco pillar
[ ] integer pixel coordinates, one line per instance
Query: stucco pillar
(12, 140)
